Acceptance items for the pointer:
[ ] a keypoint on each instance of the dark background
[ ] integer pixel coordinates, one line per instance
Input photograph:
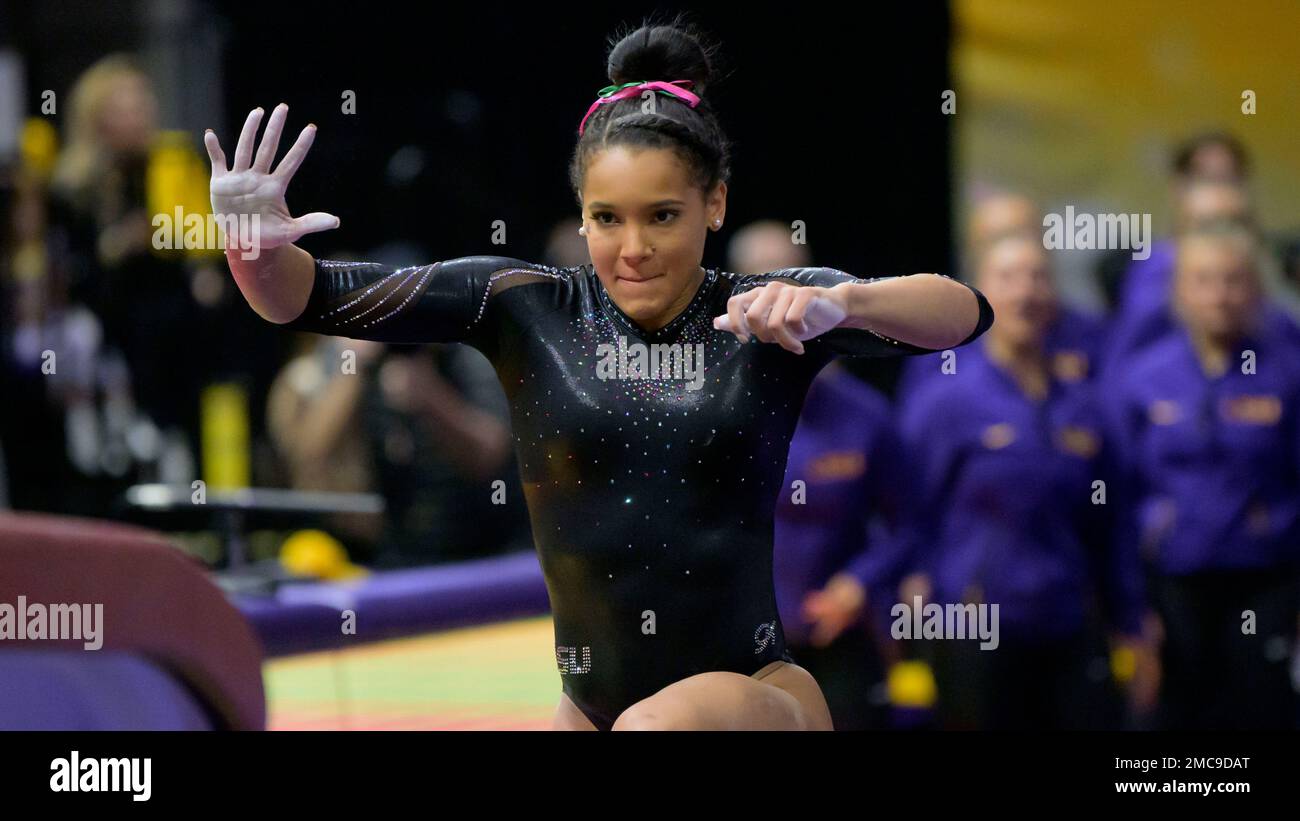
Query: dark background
(835, 121)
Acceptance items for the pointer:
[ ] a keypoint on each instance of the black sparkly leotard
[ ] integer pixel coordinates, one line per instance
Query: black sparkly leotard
(651, 499)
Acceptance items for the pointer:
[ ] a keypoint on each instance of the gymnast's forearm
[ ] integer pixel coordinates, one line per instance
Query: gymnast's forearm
(277, 283)
(926, 310)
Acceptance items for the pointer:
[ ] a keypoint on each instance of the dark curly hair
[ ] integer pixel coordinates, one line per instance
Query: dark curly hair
(672, 50)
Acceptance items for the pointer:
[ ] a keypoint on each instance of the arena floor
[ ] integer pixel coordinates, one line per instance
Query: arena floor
(491, 677)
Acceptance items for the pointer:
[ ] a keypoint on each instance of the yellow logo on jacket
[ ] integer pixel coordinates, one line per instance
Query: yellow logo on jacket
(1079, 441)
(837, 465)
(998, 436)
(1070, 365)
(1252, 410)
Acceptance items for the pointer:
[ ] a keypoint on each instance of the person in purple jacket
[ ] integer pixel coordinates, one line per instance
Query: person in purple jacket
(1209, 178)
(837, 536)
(1214, 157)
(1143, 314)
(1074, 338)
(1145, 287)
(1073, 346)
(1208, 185)
(1013, 465)
(1210, 419)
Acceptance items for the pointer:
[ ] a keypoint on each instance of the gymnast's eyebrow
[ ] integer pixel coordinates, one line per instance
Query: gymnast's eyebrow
(659, 204)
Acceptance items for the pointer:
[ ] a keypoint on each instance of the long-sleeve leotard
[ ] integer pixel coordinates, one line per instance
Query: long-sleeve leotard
(651, 461)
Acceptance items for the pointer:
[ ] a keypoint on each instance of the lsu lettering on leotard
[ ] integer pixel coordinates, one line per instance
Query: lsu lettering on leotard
(651, 493)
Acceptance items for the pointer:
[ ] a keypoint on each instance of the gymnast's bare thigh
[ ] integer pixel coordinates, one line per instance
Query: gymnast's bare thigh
(780, 696)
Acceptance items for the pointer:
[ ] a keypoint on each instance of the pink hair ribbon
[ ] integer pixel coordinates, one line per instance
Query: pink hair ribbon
(610, 94)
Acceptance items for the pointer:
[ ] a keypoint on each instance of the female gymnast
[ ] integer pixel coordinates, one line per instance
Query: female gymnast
(651, 494)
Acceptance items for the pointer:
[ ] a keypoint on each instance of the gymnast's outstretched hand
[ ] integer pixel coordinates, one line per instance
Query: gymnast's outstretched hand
(250, 188)
(782, 313)
(274, 275)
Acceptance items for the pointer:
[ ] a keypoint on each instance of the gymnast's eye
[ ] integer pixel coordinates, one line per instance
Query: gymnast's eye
(662, 217)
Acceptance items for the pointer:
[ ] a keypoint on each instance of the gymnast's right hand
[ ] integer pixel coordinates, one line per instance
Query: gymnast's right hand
(250, 190)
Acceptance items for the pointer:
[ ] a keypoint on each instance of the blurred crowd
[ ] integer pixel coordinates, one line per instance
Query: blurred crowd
(124, 363)
(1126, 486)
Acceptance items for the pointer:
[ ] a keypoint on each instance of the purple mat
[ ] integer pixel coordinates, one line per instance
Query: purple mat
(100, 690)
(306, 616)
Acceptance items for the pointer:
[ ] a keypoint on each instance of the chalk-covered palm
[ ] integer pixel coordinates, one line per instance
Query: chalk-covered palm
(250, 189)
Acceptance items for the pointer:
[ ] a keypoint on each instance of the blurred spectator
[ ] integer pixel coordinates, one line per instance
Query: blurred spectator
(766, 245)
(67, 410)
(1210, 421)
(1213, 157)
(314, 421)
(143, 300)
(1007, 451)
(438, 424)
(996, 214)
(426, 428)
(1074, 340)
(835, 542)
(1146, 286)
(1144, 314)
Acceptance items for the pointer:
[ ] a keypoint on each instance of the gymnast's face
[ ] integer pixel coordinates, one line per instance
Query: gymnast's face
(646, 225)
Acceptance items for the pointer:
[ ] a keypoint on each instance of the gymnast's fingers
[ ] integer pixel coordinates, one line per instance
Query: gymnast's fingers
(295, 155)
(270, 139)
(215, 154)
(736, 315)
(759, 310)
(778, 321)
(244, 148)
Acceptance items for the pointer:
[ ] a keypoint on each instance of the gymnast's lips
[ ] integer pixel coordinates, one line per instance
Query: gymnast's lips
(639, 280)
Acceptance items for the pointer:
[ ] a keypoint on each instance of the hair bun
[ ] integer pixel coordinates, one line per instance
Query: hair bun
(669, 51)
(664, 50)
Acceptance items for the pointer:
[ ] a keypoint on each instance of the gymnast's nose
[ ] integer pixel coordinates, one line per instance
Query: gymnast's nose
(636, 249)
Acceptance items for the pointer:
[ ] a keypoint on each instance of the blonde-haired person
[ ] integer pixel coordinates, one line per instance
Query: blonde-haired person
(1075, 338)
(114, 110)
(1209, 420)
(100, 206)
(1007, 447)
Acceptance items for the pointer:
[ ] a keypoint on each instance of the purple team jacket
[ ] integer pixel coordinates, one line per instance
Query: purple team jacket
(1214, 464)
(847, 454)
(1008, 511)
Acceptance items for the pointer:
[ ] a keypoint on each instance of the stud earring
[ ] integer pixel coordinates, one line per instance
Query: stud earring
(583, 230)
